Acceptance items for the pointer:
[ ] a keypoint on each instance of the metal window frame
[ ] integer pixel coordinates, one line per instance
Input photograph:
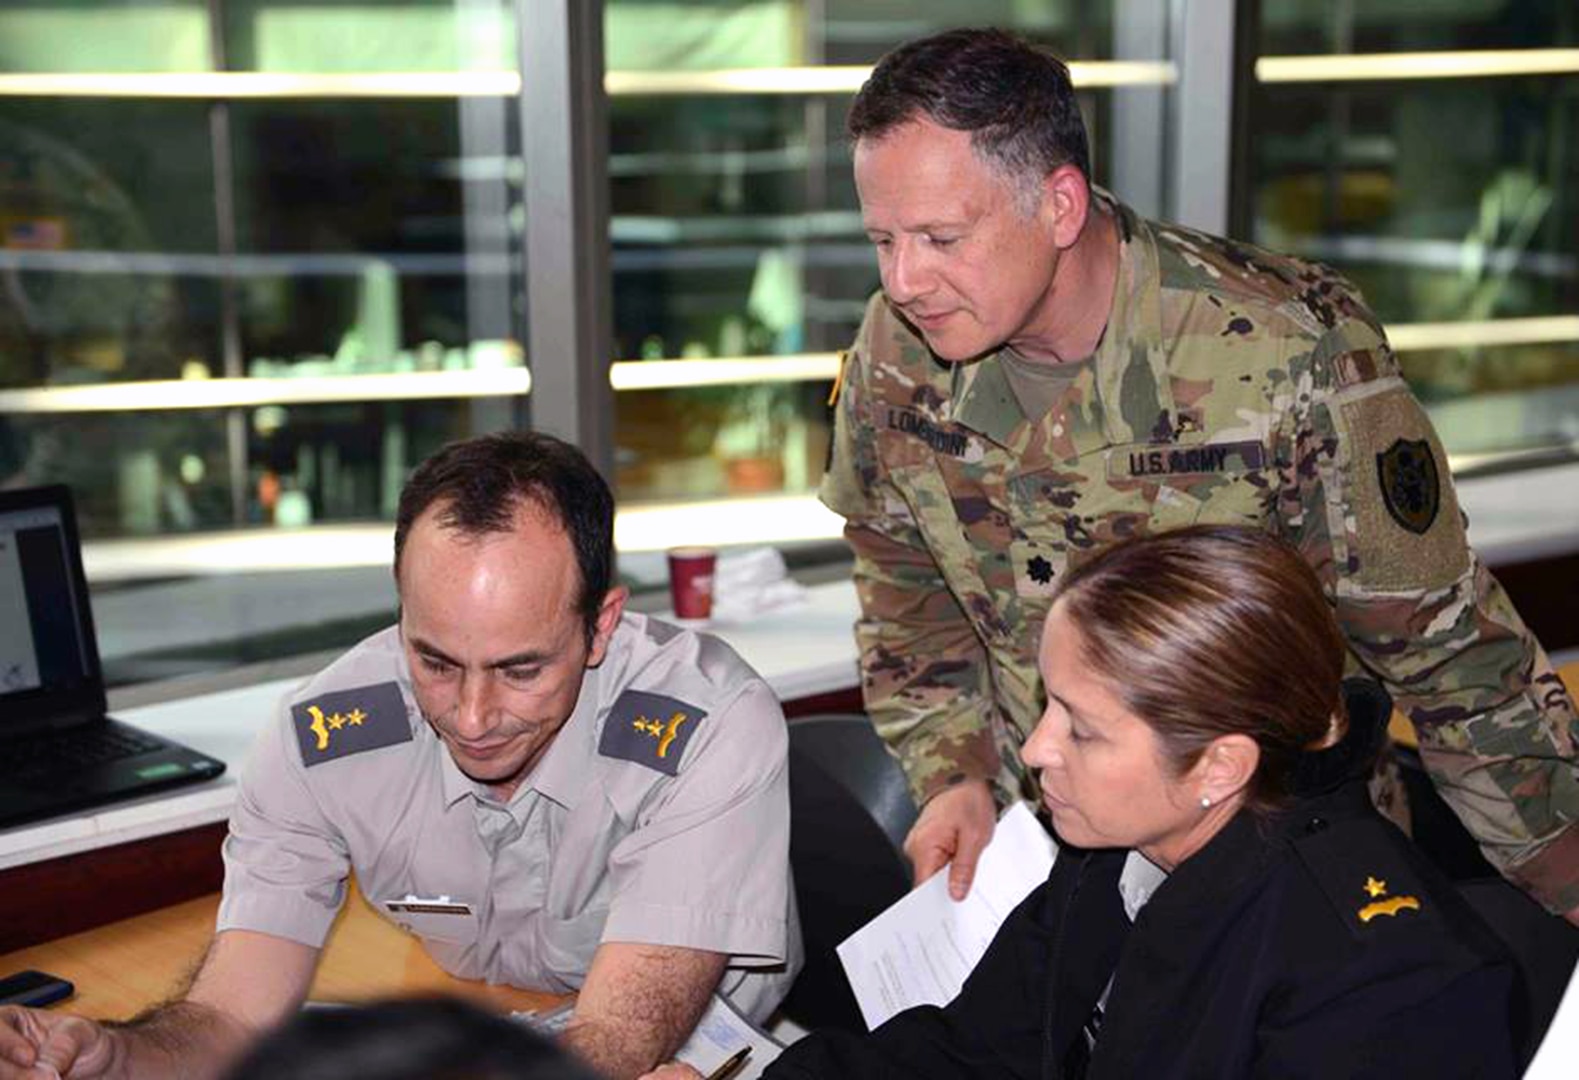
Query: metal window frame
(564, 145)
(1200, 114)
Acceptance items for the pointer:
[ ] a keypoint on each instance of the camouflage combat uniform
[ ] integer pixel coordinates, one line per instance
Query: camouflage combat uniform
(1231, 385)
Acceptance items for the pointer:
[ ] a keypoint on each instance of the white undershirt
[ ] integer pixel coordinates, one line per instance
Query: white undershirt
(1136, 882)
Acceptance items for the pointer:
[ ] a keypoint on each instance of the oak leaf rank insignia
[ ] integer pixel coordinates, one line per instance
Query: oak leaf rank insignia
(649, 729)
(343, 722)
(1382, 904)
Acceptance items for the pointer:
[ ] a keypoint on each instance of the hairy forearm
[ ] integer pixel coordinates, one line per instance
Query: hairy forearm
(639, 1004)
(622, 1050)
(181, 1040)
(646, 1029)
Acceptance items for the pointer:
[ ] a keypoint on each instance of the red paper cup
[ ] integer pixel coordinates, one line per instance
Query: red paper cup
(691, 581)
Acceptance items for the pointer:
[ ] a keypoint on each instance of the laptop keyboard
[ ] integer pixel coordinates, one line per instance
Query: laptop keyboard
(72, 750)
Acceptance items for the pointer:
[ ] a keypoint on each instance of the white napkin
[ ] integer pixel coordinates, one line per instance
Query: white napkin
(752, 581)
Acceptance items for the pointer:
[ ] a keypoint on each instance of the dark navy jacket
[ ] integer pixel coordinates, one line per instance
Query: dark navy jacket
(1319, 943)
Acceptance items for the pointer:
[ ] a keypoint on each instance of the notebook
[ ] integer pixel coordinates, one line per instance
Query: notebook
(59, 752)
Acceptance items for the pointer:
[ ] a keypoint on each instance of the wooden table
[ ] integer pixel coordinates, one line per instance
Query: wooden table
(124, 967)
(1402, 731)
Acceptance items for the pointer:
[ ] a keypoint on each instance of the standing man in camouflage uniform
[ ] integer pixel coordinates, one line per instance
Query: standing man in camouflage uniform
(1045, 372)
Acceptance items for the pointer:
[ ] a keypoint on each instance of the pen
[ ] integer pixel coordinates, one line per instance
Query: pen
(733, 1062)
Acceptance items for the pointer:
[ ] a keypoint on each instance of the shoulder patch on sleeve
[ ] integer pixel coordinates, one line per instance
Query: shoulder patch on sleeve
(1406, 529)
(649, 729)
(344, 722)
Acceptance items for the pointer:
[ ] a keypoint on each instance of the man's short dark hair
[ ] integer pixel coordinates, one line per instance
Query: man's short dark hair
(1015, 100)
(479, 485)
(421, 1039)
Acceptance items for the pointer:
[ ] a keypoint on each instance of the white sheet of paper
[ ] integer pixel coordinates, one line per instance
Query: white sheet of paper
(719, 1033)
(919, 951)
(1558, 1056)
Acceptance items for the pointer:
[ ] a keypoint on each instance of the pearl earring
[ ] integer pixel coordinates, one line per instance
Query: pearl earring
(1206, 802)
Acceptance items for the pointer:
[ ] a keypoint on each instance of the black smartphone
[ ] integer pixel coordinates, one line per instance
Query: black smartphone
(34, 988)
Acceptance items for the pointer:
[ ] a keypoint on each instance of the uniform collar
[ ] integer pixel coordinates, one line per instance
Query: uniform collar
(562, 773)
(983, 400)
(1137, 881)
(1131, 364)
(1330, 783)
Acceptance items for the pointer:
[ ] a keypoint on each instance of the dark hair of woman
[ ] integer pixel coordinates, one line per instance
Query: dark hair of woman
(1214, 630)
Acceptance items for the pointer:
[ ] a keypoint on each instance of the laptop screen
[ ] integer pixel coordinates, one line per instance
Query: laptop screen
(48, 660)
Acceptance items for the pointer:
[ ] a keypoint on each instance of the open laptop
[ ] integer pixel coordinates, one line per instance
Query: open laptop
(59, 752)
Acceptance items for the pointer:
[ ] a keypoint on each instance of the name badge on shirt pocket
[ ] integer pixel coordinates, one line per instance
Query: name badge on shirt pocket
(440, 919)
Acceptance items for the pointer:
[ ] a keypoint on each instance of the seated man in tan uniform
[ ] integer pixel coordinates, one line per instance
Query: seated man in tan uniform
(548, 791)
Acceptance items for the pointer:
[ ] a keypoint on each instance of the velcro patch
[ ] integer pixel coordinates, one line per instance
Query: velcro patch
(1148, 459)
(649, 729)
(346, 722)
(1407, 532)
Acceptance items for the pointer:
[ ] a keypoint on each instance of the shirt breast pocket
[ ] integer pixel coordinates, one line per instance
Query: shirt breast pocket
(1206, 483)
(966, 530)
(1221, 499)
(450, 927)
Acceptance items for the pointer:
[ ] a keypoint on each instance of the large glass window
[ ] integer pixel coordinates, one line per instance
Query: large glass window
(735, 227)
(1428, 151)
(257, 258)
(172, 222)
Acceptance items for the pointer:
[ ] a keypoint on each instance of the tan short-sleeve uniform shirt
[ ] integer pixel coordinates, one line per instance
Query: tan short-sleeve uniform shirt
(635, 826)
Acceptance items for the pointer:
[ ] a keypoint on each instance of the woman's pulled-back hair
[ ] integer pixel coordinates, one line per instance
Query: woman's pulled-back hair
(1209, 631)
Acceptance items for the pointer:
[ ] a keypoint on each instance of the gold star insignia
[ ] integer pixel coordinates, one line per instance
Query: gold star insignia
(665, 733)
(1375, 887)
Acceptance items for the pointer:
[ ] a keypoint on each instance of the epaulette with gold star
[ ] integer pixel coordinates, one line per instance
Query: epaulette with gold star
(1370, 884)
(344, 722)
(649, 729)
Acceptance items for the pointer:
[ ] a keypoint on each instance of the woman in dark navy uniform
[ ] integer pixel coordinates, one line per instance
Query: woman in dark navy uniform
(1225, 902)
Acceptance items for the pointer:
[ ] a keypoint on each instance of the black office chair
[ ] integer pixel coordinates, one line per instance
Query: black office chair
(1545, 947)
(849, 813)
(1433, 826)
